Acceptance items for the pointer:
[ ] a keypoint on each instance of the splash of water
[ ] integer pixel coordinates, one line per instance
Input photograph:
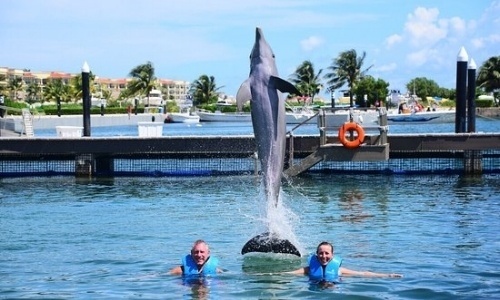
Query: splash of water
(278, 218)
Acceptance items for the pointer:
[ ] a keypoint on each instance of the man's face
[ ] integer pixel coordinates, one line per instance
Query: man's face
(200, 253)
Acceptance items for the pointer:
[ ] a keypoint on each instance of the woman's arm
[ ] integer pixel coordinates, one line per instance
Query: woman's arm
(348, 272)
(301, 271)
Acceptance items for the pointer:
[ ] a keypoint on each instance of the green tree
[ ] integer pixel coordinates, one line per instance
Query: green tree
(346, 69)
(488, 77)
(204, 90)
(57, 91)
(374, 89)
(143, 81)
(423, 88)
(306, 80)
(15, 84)
(33, 92)
(3, 86)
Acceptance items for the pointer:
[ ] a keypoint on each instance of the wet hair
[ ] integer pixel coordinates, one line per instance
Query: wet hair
(324, 244)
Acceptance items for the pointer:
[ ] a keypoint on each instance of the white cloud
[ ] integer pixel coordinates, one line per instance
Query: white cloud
(424, 28)
(311, 43)
(393, 39)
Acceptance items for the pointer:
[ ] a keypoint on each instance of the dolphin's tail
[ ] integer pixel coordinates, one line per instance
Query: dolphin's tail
(268, 242)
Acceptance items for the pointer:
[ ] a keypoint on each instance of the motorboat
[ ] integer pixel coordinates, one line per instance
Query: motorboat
(300, 114)
(218, 116)
(412, 112)
(154, 98)
(184, 115)
(337, 117)
(179, 117)
(431, 117)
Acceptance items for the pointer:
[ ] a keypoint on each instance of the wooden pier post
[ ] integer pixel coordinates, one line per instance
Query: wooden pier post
(84, 165)
(473, 164)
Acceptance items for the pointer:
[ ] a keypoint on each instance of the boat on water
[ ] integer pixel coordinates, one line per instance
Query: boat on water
(411, 111)
(431, 117)
(184, 115)
(337, 117)
(218, 116)
(300, 114)
(295, 115)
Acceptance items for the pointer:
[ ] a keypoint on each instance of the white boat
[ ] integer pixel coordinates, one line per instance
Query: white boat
(183, 118)
(184, 115)
(296, 116)
(218, 116)
(300, 114)
(431, 117)
(338, 117)
(155, 98)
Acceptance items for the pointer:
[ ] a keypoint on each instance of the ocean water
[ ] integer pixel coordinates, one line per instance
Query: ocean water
(68, 238)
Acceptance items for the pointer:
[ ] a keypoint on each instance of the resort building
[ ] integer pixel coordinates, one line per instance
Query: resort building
(174, 90)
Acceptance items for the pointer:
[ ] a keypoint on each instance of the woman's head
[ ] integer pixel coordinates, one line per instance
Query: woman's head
(324, 252)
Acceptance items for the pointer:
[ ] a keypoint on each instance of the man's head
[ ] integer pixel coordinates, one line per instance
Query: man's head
(200, 252)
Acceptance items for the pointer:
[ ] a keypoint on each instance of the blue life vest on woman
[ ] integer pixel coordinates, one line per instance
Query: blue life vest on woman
(330, 272)
(190, 267)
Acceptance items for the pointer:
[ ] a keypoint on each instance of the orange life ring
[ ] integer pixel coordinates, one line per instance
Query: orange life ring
(349, 127)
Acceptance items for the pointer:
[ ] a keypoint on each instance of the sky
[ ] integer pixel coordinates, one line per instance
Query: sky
(403, 39)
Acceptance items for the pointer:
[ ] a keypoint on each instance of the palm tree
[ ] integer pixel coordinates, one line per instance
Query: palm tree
(204, 90)
(2, 84)
(306, 80)
(489, 75)
(33, 92)
(346, 68)
(143, 80)
(15, 84)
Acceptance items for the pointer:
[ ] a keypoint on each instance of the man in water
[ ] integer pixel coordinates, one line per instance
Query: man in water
(199, 262)
(324, 266)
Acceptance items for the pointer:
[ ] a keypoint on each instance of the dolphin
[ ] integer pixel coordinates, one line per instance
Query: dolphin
(263, 88)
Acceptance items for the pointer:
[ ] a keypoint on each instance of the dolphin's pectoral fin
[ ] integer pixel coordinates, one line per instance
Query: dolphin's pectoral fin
(269, 243)
(244, 94)
(284, 86)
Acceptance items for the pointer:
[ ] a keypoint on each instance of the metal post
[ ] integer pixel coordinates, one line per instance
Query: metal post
(58, 106)
(461, 91)
(471, 97)
(86, 99)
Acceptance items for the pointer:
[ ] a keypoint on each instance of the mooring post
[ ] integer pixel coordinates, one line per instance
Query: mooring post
(86, 99)
(471, 97)
(473, 162)
(461, 91)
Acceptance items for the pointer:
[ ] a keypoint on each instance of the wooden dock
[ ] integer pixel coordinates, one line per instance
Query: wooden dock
(100, 152)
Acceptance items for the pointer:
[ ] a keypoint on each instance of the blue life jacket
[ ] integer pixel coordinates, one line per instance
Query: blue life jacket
(190, 267)
(330, 272)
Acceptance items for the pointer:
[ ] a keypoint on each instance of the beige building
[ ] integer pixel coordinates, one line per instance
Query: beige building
(175, 90)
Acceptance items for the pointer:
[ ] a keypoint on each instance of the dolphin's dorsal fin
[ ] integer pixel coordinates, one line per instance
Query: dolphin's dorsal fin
(243, 95)
(284, 86)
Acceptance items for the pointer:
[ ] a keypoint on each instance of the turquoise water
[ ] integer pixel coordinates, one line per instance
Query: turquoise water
(245, 128)
(67, 238)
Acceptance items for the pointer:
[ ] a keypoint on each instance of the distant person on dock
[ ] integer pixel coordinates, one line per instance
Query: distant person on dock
(325, 267)
(129, 111)
(199, 262)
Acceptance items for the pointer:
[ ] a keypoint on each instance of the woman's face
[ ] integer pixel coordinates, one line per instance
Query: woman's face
(324, 254)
